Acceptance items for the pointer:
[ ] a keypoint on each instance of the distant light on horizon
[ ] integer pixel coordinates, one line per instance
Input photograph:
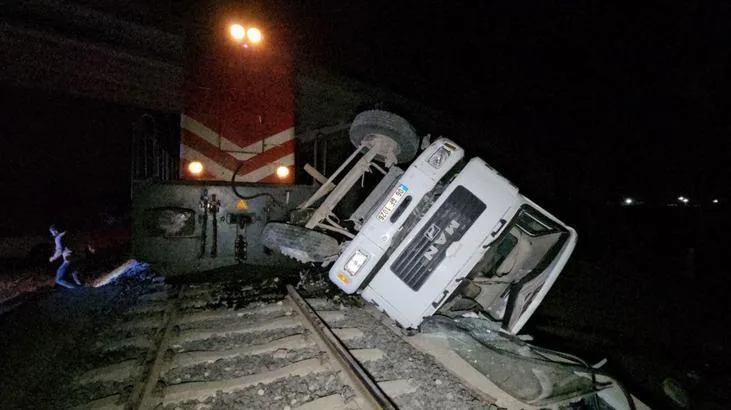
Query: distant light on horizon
(629, 201)
(715, 201)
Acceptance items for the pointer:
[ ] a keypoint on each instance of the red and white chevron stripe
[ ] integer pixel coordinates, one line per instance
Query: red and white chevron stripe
(239, 107)
(221, 156)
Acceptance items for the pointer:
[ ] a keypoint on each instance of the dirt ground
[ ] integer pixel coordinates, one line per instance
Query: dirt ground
(46, 329)
(17, 280)
(42, 341)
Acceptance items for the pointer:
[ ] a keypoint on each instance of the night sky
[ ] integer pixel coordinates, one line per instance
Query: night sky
(605, 99)
(64, 159)
(574, 102)
(612, 100)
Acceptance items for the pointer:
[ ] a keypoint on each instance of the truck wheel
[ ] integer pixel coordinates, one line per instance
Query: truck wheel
(377, 122)
(299, 243)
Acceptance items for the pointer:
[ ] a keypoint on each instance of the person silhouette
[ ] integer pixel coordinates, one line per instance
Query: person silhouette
(61, 251)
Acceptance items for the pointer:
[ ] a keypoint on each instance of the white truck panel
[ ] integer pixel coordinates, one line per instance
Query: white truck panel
(410, 305)
(376, 234)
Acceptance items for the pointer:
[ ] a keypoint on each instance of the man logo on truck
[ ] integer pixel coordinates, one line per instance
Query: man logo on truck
(432, 232)
(441, 239)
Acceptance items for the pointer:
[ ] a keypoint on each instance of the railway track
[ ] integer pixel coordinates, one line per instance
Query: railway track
(183, 348)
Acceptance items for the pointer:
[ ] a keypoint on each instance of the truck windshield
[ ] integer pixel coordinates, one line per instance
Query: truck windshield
(528, 222)
(533, 223)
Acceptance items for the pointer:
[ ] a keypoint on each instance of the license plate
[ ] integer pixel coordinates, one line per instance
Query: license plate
(392, 202)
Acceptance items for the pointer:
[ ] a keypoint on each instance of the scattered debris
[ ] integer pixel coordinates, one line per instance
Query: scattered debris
(129, 268)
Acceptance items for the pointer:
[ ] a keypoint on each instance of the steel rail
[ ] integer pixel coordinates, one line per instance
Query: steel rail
(142, 396)
(357, 375)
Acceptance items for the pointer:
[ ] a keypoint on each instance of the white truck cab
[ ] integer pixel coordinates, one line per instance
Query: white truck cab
(377, 233)
(443, 235)
(455, 238)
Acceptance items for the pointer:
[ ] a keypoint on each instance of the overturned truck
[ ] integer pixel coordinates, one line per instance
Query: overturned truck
(440, 246)
(446, 234)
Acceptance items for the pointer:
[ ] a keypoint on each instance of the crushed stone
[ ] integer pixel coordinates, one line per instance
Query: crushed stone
(276, 395)
(238, 367)
(227, 343)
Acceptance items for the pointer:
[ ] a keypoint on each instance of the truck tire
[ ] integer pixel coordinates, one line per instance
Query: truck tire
(298, 242)
(378, 122)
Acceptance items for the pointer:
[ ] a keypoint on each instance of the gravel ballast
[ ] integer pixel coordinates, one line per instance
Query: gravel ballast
(437, 388)
(240, 366)
(281, 394)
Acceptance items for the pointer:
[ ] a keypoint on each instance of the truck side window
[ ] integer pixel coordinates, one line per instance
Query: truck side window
(533, 223)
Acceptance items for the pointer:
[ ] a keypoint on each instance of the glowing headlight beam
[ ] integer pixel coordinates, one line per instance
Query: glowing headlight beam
(195, 168)
(254, 35)
(282, 172)
(238, 32)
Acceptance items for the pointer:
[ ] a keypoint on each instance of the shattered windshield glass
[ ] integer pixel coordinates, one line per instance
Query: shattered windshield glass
(516, 367)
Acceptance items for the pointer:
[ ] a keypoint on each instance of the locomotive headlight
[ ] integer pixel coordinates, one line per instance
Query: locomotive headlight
(237, 31)
(195, 168)
(355, 262)
(254, 35)
(438, 158)
(282, 172)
